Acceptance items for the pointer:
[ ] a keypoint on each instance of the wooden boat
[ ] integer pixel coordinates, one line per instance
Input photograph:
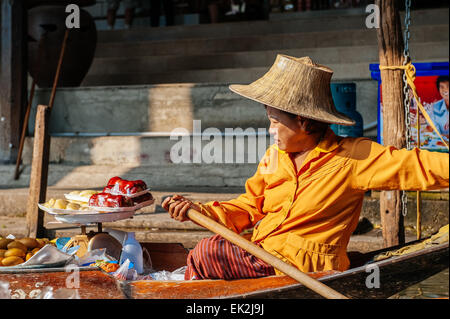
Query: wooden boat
(396, 274)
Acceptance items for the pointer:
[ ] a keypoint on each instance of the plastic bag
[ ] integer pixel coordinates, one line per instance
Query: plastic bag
(177, 274)
(144, 277)
(93, 256)
(125, 272)
(147, 261)
(48, 254)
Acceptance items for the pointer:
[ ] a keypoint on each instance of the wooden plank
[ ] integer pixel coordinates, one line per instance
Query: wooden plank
(39, 173)
(390, 49)
(13, 77)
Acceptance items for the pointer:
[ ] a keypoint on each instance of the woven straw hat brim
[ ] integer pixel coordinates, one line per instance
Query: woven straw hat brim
(298, 86)
(319, 114)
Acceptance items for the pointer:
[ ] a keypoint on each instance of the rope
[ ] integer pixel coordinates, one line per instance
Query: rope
(410, 71)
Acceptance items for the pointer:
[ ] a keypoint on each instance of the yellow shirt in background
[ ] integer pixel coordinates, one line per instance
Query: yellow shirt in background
(307, 219)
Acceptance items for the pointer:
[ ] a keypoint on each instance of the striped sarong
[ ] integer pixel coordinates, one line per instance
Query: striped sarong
(217, 258)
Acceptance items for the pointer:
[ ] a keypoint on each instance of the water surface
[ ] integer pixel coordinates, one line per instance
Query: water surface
(436, 286)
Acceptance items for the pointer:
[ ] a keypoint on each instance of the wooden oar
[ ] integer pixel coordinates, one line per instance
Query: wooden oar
(256, 251)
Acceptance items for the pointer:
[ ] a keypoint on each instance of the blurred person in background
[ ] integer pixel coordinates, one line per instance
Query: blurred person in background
(130, 7)
(441, 108)
(155, 12)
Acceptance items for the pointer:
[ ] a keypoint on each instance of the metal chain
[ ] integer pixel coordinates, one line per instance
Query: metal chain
(406, 101)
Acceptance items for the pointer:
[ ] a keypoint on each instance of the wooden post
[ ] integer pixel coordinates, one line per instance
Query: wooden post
(390, 50)
(13, 76)
(39, 173)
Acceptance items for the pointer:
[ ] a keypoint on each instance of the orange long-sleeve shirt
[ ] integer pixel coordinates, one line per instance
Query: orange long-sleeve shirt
(306, 219)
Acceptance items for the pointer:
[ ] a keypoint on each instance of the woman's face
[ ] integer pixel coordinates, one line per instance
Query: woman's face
(288, 132)
(443, 90)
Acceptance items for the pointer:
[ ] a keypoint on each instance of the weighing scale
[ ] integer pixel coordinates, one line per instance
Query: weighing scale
(96, 216)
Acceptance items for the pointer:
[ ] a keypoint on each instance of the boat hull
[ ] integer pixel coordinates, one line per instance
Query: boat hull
(395, 274)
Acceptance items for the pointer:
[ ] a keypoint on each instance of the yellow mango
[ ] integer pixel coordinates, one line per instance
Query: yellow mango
(15, 252)
(12, 261)
(17, 244)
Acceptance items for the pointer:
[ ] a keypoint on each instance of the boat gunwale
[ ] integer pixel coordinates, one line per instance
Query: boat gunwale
(349, 272)
(11, 270)
(327, 276)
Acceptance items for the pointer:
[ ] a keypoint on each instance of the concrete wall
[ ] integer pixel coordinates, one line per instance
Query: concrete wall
(162, 108)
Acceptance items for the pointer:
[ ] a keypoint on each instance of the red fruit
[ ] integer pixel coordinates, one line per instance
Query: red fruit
(109, 200)
(113, 180)
(126, 187)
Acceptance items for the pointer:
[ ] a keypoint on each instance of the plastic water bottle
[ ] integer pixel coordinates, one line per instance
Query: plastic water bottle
(117, 234)
(132, 250)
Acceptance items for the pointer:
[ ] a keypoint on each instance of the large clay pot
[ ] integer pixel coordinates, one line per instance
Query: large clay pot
(49, 24)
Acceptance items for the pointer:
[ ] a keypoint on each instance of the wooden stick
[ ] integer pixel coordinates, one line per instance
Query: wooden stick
(39, 173)
(419, 215)
(24, 130)
(418, 196)
(277, 263)
(58, 69)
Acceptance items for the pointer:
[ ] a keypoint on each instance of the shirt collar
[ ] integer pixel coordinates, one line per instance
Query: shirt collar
(329, 142)
(439, 107)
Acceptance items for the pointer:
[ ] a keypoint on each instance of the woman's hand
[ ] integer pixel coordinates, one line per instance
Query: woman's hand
(177, 206)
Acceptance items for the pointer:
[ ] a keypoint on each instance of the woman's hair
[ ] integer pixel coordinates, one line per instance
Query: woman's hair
(312, 126)
(442, 78)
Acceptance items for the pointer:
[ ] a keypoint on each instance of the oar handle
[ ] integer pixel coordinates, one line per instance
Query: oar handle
(256, 251)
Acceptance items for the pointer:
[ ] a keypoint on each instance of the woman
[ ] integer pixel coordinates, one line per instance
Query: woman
(305, 198)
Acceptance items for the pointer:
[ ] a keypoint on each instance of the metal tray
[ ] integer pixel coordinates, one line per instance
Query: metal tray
(20, 267)
(99, 215)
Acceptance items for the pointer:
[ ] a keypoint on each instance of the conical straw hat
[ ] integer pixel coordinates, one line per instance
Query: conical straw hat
(298, 86)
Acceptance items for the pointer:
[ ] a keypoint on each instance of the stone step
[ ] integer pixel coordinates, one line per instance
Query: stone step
(198, 46)
(158, 108)
(154, 65)
(242, 51)
(287, 24)
(421, 16)
(342, 72)
(157, 176)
